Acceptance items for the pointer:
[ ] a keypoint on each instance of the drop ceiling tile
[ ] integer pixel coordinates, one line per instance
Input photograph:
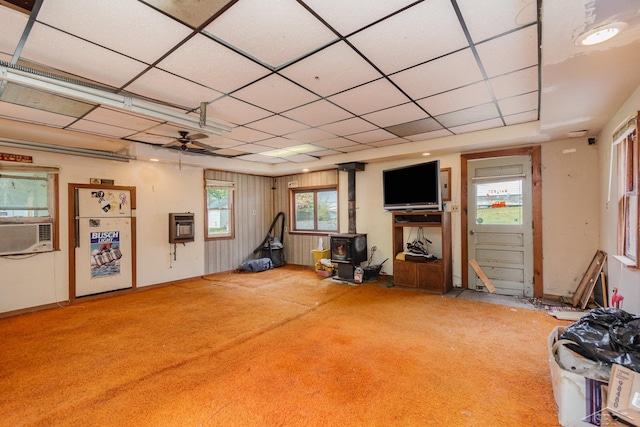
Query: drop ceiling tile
(70, 54)
(515, 83)
(353, 148)
(443, 74)
(527, 116)
(441, 133)
(277, 125)
(388, 142)
(119, 119)
(101, 129)
(509, 53)
(325, 153)
(348, 127)
(331, 70)
(369, 97)
(474, 127)
(519, 104)
(469, 115)
(235, 111)
(414, 127)
(347, 16)
(252, 148)
(457, 99)
(31, 115)
(296, 31)
(279, 142)
(275, 93)
(12, 23)
(423, 32)
(335, 143)
(318, 113)
(211, 64)
(261, 159)
(129, 27)
(310, 135)
(489, 18)
(244, 134)
(220, 141)
(229, 152)
(150, 138)
(37, 99)
(396, 115)
(301, 158)
(371, 136)
(192, 12)
(154, 83)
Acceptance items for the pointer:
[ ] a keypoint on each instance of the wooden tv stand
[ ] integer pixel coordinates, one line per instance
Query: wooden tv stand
(432, 276)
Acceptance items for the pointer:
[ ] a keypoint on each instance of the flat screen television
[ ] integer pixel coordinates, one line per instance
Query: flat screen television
(414, 187)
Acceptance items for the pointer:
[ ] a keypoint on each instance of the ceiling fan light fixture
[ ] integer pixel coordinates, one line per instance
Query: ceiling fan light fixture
(600, 34)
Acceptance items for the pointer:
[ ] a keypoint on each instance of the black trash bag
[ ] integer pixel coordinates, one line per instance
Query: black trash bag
(607, 335)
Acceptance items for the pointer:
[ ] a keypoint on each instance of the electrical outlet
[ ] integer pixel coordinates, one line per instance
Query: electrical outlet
(254, 212)
(455, 207)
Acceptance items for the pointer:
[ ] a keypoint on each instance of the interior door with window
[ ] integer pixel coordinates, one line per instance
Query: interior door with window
(500, 223)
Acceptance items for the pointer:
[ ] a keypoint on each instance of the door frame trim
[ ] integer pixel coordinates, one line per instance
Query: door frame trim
(536, 201)
(72, 235)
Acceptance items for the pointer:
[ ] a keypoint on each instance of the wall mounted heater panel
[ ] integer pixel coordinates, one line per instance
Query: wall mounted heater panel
(25, 238)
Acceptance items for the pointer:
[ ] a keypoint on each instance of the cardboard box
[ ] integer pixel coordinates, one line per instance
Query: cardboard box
(624, 394)
(578, 398)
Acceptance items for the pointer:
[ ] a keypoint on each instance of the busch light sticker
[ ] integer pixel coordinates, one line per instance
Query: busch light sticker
(105, 253)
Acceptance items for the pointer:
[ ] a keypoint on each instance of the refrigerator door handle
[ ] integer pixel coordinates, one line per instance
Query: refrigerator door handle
(76, 215)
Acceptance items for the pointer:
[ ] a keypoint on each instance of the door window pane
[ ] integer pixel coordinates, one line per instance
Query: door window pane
(499, 203)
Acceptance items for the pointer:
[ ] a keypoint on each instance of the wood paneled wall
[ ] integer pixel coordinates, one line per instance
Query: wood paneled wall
(298, 247)
(253, 201)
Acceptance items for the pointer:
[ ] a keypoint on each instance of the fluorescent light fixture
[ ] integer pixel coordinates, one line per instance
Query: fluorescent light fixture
(577, 133)
(38, 80)
(290, 151)
(39, 146)
(600, 34)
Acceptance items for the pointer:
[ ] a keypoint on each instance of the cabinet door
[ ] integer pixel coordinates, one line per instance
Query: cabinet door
(430, 275)
(404, 273)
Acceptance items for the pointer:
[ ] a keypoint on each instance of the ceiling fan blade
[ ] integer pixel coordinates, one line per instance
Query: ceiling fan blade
(204, 146)
(169, 144)
(197, 136)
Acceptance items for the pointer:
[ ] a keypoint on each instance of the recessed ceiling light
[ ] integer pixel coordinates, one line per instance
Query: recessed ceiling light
(426, 154)
(600, 34)
(305, 170)
(154, 160)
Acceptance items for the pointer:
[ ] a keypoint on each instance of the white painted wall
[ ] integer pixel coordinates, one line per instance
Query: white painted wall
(32, 281)
(627, 280)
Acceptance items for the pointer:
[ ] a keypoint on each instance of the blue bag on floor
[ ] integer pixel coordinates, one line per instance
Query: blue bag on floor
(255, 265)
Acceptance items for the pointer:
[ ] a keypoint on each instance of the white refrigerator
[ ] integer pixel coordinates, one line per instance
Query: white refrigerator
(103, 250)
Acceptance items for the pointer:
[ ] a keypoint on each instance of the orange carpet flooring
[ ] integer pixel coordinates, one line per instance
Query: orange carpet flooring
(277, 348)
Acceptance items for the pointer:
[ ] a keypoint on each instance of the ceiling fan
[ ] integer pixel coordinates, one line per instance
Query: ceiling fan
(186, 139)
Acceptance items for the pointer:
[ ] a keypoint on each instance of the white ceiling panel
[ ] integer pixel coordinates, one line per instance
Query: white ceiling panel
(440, 133)
(151, 138)
(279, 142)
(515, 83)
(101, 129)
(325, 153)
(19, 112)
(489, 18)
(469, 115)
(262, 159)
(348, 127)
(318, 113)
(276, 94)
(370, 97)
(474, 127)
(252, 148)
(372, 136)
(395, 115)
(12, 23)
(509, 53)
(235, 111)
(277, 125)
(354, 148)
(162, 86)
(347, 16)
(388, 142)
(446, 73)
(207, 62)
(457, 99)
(297, 31)
(73, 55)
(336, 143)
(332, 70)
(244, 134)
(301, 158)
(120, 119)
(519, 104)
(528, 116)
(128, 27)
(426, 31)
(310, 135)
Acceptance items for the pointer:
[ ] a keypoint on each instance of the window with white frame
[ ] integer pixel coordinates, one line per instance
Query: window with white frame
(27, 193)
(219, 216)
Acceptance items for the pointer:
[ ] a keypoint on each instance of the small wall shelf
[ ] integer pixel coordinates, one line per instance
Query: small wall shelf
(433, 276)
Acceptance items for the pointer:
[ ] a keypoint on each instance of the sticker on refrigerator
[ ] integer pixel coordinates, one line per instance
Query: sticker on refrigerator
(105, 253)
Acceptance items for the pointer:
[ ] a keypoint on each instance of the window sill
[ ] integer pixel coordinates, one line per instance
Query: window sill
(628, 262)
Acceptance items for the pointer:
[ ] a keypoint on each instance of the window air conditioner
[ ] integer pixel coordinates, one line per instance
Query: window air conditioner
(25, 238)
